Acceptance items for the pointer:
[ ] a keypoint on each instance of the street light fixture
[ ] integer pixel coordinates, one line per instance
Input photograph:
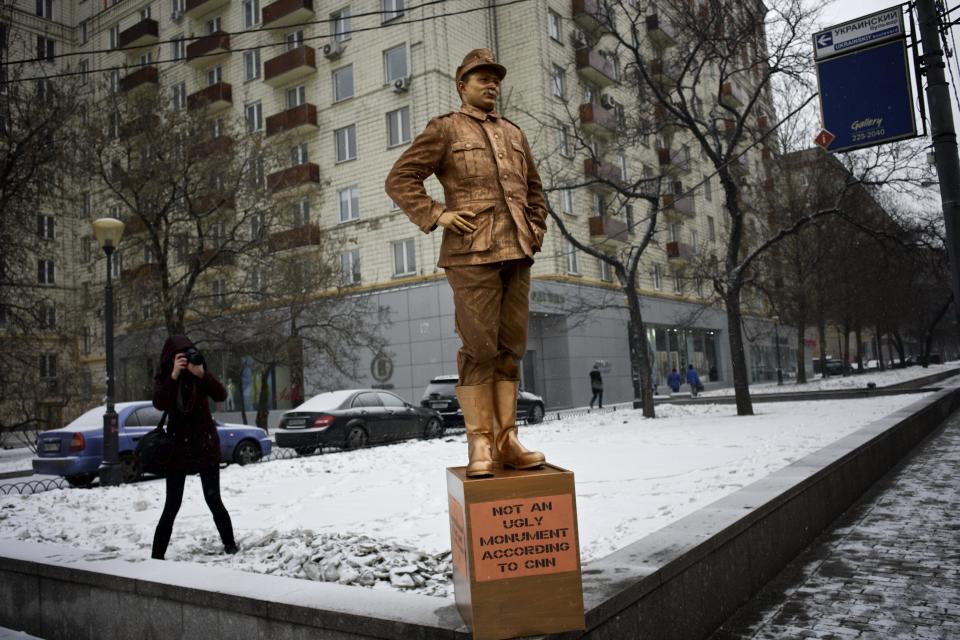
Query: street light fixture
(776, 339)
(108, 232)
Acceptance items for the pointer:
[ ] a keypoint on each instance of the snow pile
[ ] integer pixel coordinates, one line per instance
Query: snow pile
(377, 517)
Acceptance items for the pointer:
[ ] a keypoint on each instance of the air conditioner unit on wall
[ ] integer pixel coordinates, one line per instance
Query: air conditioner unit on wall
(332, 50)
(607, 102)
(579, 38)
(401, 84)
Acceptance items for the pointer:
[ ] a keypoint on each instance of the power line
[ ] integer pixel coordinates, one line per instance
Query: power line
(257, 47)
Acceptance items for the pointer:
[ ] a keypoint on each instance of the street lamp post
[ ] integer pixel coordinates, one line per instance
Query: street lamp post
(108, 232)
(776, 339)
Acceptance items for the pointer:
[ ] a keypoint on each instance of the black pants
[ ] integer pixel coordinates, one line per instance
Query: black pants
(210, 480)
(597, 395)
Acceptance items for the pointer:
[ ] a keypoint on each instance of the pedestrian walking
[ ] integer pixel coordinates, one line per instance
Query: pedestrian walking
(674, 381)
(596, 386)
(693, 379)
(493, 216)
(183, 388)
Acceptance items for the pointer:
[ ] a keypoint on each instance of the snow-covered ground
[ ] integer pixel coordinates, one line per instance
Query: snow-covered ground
(378, 517)
(17, 459)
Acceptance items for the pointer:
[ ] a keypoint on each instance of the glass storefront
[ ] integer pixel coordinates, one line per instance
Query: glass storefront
(676, 348)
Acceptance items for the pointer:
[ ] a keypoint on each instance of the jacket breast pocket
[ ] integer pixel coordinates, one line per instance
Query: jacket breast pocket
(470, 158)
(520, 158)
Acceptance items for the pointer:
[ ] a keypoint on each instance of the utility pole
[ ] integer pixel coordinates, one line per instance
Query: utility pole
(944, 135)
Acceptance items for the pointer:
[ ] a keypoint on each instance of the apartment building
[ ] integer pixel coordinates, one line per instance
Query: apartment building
(345, 85)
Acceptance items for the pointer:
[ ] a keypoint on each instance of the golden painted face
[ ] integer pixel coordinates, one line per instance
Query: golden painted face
(480, 89)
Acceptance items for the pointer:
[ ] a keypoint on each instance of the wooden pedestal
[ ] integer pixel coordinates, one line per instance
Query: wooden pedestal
(516, 557)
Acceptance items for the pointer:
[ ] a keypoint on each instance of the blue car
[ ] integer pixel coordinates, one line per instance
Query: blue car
(76, 450)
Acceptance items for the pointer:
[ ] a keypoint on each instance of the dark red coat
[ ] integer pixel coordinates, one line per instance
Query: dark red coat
(186, 400)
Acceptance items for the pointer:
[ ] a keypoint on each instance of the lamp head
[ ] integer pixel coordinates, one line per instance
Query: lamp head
(108, 232)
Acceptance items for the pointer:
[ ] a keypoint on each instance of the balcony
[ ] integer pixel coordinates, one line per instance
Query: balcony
(661, 32)
(198, 8)
(597, 120)
(664, 120)
(141, 78)
(304, 236)
(290, 66)
(134, 224)
(221, 146)
(141, 272)
(217, 258)
(211, 202)
(607, 174)
(674, 161)
(677, 209)
(732, 95)
(592, 15)
(146, 123)
(284, 13)
(763, 124)
(293, 121)
(143, 34)
(767, 155)
(301, 175)
(213, 98)
(607, 231)
(679, 254)
(664, 72)
(596, 68)
(208, 49)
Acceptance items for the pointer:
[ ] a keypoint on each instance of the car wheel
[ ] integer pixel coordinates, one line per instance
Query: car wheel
(357, 438)
(535, 415)
(130, 468)
(246, 452)
(81, 480)
(434, 429)
(305, 451)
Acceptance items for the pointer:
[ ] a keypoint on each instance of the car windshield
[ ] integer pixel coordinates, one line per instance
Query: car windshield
(325, 401)
(91, 418)
(444, 388)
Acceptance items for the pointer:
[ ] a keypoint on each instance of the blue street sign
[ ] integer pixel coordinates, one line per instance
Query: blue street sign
(866, 97)
(863, 32)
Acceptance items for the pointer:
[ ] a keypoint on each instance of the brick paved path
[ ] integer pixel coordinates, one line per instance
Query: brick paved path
(889, 570)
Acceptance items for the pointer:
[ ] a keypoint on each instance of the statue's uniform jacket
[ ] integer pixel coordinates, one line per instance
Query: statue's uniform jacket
(485, 165)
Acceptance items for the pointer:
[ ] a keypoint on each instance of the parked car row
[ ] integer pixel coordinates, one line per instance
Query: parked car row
(347, 419)
(76, 450)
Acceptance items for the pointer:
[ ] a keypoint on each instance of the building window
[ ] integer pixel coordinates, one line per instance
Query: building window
(181, 248)
(296, 96)
(46, 272)
(395, 63)
(217, 235)
(251, 13)
(566, 201)
(294, 39)
(345, 141)
(677, 282)
(707, 189)
(216, 128)
(84, 32)
(86, 249)
(180, 96)
(392, 9)
(404, 258)
(219, 291)
(398, 126)
(298, 154)
(606, 271)
(258, 281)
(258, 173)
(254, 113)
(301, 213)
(87, 341)
(45, 9)
(349, 203)
(177, 7)
(562, 137)
(178, 47)
(711, 229)
(699, 282)
(553, 25)
(48, 316)
(257, 231)
(213, 25)
(622, 163)
(251, 64)
(694, 240)
(343, 83)
(350, 266)
(48, 366)
(114, 36)
(214, 76)
(45, 227)
(340, 25)
(571, 252)
(559, 76)
(657, 277)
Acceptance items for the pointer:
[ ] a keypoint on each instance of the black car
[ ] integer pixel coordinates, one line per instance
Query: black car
(352, 419)
(440, 395)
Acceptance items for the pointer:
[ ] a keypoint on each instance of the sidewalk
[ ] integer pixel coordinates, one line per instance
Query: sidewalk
(889, 569)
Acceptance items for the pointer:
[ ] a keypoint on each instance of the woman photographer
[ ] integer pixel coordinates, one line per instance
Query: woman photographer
(183, 388)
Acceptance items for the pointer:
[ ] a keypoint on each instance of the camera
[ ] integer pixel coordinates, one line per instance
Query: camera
(194, 356)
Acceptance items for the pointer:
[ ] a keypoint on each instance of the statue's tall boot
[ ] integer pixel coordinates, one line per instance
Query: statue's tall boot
(510, 452)
(476, 403)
